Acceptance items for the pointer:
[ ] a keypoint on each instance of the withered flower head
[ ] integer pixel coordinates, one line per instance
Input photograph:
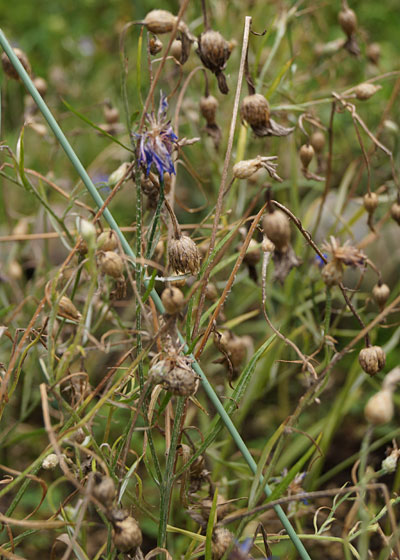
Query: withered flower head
(184, 255)
(214, 52)
(255, 111)
(345, 254)
(157, 142)
(246, 168)
(174, 372)
(127, 534)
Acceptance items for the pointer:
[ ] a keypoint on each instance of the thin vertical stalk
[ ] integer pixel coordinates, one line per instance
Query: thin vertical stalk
(157, 301)
(156, 219)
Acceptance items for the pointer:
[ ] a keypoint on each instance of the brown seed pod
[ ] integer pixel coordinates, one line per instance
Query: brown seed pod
(107, 240)
(105, 491)
(381, 293)
(395, 212)
(348, 21)
(214, 52)
(68, 310)
(127, 534)
(9, 69)
(155, 45)
(184, 255)
(379, 409)
(176, 49)
(222, 539)
(306, 154)
(276, 227)
(208, 108)
(373, 52)
(159, 21)
(173, 300)
(175, 375)
(317, 141)
(254, 110)
(371, 202)
(365, 91)
(253, 253)
(332, 273)
(211, 291)
(372, 359)
(111, 264)
(41, 85)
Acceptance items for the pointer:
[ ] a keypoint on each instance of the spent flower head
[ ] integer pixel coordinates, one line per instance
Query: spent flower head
(157, 141)
(345, 254)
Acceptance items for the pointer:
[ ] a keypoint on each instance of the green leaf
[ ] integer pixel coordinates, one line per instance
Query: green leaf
(210, 526)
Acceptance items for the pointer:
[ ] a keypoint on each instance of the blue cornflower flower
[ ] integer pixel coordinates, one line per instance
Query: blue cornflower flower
(320, 262)
(157, 141)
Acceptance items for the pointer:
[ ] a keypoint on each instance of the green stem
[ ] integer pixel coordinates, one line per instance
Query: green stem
(156, 219)
(157, 301)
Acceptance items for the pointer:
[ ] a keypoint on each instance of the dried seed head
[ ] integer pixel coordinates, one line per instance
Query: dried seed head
(214, 52)
(381, 293)
(127, 535)
(159, 21)
(371, 202)
(105, 491)
(173, 300)
(395, 212)
(253, 253)
(365, 91)
(222, 539)
(255, 110)
(50, 462)
(68, 310)
(317, 141)
(247, 168)
(176, 49)
(348, 21)
(107, 241)
(9, 69)
(332, 273)
(79, 435)
(372, 359)
(276, 227)
(379, 409)
(208, 108)
(237, 350)
(211, 292)
(175, 375)
(223, 508)
(41, 85)
(111, 264)
(155, 45)
(184, 255)
(373, 52)
(306, 154)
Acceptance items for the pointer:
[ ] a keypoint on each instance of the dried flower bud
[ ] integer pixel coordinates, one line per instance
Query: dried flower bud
(253, 253)
(395, 212)
(119, 174)
(306, 154)
(381, 293)
(155, 45)
(41, 85)
(9, 69)
(348, 21)
(211, 291)
(173, 300)
(246, 168)
(214, 52)
(79, 436)
(255, 110)
(68, 310)
(276, 227)
(111, 264)
(176, 49)
(223, 508)
(365, 91)
(50, 462)
(373, 52)
(184, 255)
(111, 114)
(107, 240)
(105, 491)
(372, 359)
(208, 108)
(222, 539)
(379, 409)
(332, 273)
(371, 202)
(88, 231)
(390, 463)
(317, 141)
(127, 534)
(159, 21)
(15, 270)
(237, 350)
